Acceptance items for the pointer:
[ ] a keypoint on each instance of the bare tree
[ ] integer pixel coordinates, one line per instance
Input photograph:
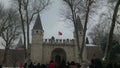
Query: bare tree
(100, 30)
(75, 8)
(27, 10)
(100, 38)
(73, 18)
(110, 39)
(11, 33)
(88, 4)
(3, 19)
(103, 26)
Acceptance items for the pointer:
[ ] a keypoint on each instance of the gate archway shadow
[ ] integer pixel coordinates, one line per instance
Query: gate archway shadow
(58, 55)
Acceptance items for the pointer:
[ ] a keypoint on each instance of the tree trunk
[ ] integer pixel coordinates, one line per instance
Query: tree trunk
(5, 54)
(110, 38)
(84, 31)
(28, 29)
(70, 4)
(76, 31)
(23, 28)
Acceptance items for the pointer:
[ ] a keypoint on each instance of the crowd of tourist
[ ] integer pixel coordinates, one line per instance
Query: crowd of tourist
(95, 63)
(52, 64)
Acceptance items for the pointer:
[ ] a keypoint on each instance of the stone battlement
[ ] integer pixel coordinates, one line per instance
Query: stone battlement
(59, 41)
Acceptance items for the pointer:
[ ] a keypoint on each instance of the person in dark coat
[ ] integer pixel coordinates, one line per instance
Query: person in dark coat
(38, 65)
(73, 65)
(109, 65)
(92, 65)
(31, 65)
(0, 65)
(78, 65)
(68, 64)
(43, 66)
(25, 65)
(63, 64)
(98, 63)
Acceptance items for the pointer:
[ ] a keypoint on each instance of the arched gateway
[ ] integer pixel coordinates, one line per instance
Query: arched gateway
(58, 55)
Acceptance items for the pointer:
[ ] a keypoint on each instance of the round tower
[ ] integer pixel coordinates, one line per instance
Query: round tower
(37, 41)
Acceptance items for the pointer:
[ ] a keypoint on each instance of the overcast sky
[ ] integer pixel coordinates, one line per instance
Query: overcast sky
(52, 21)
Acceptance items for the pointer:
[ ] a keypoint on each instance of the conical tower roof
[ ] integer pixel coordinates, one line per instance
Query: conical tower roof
(20, 44)
(38, 24)
(20, 41)
(79, 24)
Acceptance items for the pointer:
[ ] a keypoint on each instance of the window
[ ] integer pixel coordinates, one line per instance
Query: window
(36, 31)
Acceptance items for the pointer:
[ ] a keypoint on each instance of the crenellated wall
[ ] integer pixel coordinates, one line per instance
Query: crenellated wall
(67, 45)
(59, 41)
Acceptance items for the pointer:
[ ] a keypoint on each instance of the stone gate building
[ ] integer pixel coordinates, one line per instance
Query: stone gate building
(44, 50)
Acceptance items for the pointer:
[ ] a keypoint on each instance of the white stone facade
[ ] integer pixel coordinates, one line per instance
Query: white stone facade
(43, 50)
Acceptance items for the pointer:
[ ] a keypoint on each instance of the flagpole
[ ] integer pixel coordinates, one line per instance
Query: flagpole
(58, 35)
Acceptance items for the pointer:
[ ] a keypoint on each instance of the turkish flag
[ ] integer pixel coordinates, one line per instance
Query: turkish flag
(59, 33)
